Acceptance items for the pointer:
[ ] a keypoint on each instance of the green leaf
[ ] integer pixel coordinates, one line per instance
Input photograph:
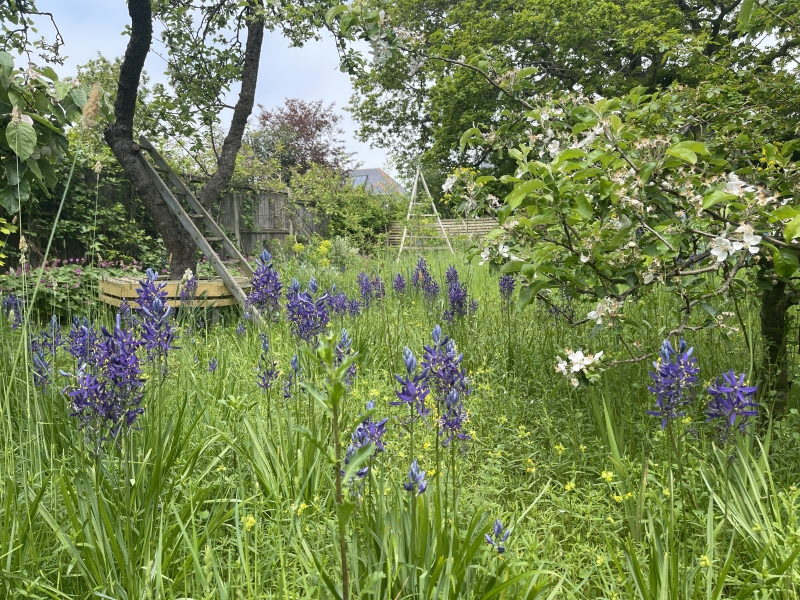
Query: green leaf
(583, 207)
(485, 179)
(21, 137)
(359, 458)
(792, 229)
(521, 190)
(745, 12)
(50, 73)
(716, 197)
(784, 212)
(79, 96)
(571, 153)
(12, 195)
(684, 154)
(333, 12)
(785, 262)
(467, 135)
(7, 61)
(528, 293)
(697, 147)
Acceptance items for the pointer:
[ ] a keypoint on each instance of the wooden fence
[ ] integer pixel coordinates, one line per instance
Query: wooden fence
(255, 218)
(469, 229)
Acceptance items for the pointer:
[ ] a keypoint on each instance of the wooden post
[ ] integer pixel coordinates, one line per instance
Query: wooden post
(236, 211)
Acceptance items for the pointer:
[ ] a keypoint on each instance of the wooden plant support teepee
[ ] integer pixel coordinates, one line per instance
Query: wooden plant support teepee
(412, 214)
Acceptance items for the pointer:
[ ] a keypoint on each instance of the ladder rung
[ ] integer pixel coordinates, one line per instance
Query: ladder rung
(197, 216)
(428, 215)
(424, 237)
(213, 239)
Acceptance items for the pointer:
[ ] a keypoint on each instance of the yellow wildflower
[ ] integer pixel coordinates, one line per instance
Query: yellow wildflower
(301, 508)
(559, 448)
(607, 476)
(570, 486)
(705, 562)
(249, 522)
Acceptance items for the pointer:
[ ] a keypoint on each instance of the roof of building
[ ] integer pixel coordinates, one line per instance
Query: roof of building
(376, 180)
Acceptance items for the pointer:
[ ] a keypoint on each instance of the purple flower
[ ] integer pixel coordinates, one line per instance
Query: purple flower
(507, 284)
(457, 297)
(337, 302)
(354, 307)
(416, 479)
(83, 340)
(367, 432)
(451, 421)
(266, 289)
(13, 309)
(675, 378)
(308, 317)
(106, 401)
(126, 314)
(241, 329)
(188, 289)
(443, 365)
(732, 403)
(497, 538)
(399, 284)
(157, 334)
(267, 368)
(343, 349)
(423, 280)
(287, 387)
(413, 387)
(212, 365)
(43, 348)
(372, 288)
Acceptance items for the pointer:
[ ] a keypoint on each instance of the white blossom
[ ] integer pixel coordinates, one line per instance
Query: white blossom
(485, 255)
(449, 183)
(737, 186)
(750, 240)
(721, 247)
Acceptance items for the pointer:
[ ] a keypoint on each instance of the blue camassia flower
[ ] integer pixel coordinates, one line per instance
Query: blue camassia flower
(674, 381)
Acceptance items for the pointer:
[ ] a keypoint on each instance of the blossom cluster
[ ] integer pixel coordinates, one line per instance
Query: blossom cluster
(579, 366)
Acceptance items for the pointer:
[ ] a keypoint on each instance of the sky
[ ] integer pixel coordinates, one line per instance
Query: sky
(309, 73)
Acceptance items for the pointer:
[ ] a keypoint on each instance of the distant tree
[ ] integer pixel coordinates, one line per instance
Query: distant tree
(300, 134)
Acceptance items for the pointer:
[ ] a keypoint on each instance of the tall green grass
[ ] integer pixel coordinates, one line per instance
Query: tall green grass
(225, 491)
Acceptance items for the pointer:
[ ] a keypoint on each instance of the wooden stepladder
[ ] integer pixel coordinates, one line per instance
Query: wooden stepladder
(171, 190)
(411, 214)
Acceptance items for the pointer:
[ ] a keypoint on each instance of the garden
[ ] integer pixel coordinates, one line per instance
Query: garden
(593, 400)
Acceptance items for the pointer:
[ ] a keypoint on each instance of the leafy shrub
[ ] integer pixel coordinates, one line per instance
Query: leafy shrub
(354, 213)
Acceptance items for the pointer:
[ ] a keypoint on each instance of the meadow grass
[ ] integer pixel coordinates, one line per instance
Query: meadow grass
(224, 490)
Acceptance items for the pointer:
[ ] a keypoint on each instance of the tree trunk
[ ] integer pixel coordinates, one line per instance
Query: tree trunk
(226, 162)
(774, 305)
(119, 137)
